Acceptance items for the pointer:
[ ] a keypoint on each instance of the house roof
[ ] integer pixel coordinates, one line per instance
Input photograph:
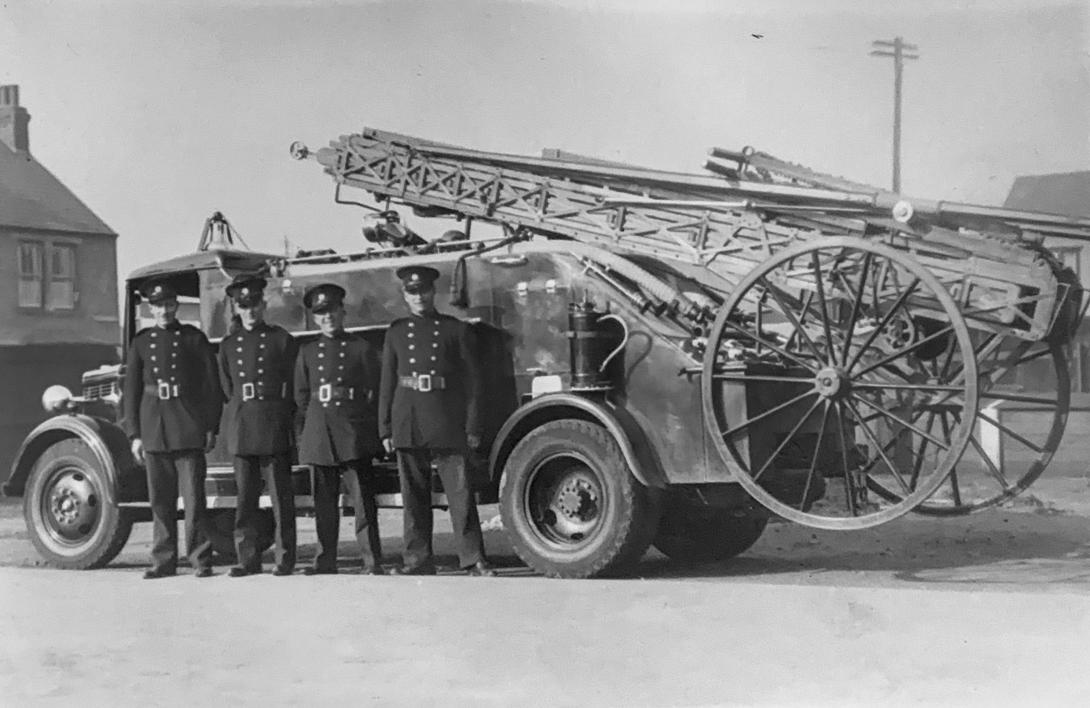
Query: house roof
(32, 198)
(1066, 193)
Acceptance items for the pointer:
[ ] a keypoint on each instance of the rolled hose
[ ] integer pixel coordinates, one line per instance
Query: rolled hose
(619, 264)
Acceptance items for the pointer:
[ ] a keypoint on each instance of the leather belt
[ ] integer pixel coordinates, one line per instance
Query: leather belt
(329, 392)
(255, 392)
(423, 382)
(163, 390)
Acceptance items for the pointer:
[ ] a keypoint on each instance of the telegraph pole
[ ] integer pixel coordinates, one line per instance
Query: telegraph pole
(900, 51)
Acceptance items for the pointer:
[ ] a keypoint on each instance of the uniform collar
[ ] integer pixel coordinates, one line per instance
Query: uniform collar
(433, 315)
(339, 334)
(260, 326)
(172, 326)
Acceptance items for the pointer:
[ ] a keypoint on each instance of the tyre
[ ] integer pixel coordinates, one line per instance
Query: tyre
(66, 508)
(570, 504)
(221, 530)
(694, 534)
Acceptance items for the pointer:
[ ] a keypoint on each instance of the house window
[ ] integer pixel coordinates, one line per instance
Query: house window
(31, 274)
(62, 277)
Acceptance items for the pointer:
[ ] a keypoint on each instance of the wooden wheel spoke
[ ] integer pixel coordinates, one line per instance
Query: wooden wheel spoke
(1019, 398)
(772, 290)
(989, 465)
(765, 414)
(814, 457)
(823, 306)
(886, 319)
(1031, 445)
(743, 376)
(955, 488)
(774, 347)
(857, 302)
(808, 298)
(849, 485)
(917, 464)
(881, 451)
(910, 387)
(906, 350)
(902, 421)
(787, 439)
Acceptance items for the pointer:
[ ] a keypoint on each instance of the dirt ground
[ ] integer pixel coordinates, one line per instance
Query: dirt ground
(991, 609)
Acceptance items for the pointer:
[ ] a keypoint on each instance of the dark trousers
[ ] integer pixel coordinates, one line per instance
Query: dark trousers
(169, 472)
(275, 471)
(327, 514)
(414, 469)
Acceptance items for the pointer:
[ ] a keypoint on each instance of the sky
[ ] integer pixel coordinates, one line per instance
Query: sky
(156, 114)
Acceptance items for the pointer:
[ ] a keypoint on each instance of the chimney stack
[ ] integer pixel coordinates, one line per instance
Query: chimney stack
(13, 120)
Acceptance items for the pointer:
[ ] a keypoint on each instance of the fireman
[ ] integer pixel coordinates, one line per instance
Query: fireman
(172, 405)
(336, 386)
(428, 412)
(256, 365)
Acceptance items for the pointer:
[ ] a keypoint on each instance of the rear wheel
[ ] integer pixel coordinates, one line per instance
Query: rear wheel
(693, 534)
(67, 508)
(570, 504)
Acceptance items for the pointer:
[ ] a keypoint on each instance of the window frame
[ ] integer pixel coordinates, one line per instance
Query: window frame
(39, 248)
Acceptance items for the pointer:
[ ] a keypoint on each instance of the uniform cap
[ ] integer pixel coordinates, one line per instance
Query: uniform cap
(323, 298)
(246, 290)
(417, 278)
(156, 291)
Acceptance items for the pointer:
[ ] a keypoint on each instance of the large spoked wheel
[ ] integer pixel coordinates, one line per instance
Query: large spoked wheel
(817, 372)
(1016, 433)
(67, 508)
(570, 505)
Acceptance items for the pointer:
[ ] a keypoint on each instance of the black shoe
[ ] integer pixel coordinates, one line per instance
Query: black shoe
(311, 570)
(239, 572)
(203, 573)
(282, 570)
(156, 573)
(414, 570)
(373, 570)
(481, 569)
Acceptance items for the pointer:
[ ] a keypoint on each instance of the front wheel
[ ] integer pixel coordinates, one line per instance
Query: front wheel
(67, 508)
(570, 504)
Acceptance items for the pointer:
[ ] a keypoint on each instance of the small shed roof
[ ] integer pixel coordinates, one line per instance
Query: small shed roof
(1066, 193)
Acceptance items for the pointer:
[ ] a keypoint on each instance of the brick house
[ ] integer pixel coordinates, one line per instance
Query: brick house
(58, 283)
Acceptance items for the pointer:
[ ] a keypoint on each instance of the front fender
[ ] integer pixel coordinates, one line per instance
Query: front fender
(105, 440)
(637, 451)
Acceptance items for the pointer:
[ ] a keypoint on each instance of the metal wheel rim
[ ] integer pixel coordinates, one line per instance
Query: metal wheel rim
(70, 507)
(958, 332)
(564, 502)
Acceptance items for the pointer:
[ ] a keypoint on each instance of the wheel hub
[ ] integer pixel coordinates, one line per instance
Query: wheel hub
(73, 505)
(831, 382)
(578, 500)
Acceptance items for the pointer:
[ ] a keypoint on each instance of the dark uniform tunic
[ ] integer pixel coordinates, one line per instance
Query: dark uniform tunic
(427, 405)
(440, 347)
(171, 400)
(336, 388)
(256, 368)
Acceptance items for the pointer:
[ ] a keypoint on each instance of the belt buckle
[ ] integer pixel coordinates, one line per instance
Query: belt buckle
(248, 391)
(325, 393)
(423, 383)
(164, 390)
(351, 393)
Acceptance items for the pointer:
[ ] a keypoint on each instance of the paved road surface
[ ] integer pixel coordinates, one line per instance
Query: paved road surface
(989, 610)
